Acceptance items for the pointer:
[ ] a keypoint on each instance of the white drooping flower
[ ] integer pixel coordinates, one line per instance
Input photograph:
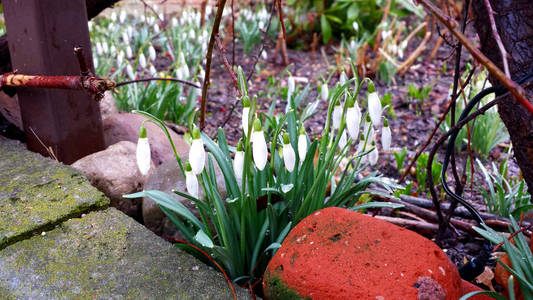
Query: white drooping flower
(197, 152)
(129, 71)
(105, 47)
(343, 78)
(142, 61)
(192, 34)
(343, 140)
(353, 119)
(153, 71)
(151, 53)
(120, 58)
(386, 136)
(113, 16)
(259, 147)
(245, 114)
(374, 105)
(302, 144)
(129, 53)
(238, 162)
(368, 129)
(337, 115)
(291, 86)
(324, 92)
(143, 152)
(122, 16)
(355, 26)
(99, 49)
(191, 181)
(264, 55)
(289, 157)
(156, 28)
(373, 155)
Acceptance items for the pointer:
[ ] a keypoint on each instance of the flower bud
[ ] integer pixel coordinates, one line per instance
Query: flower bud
(197, 152)
(143, 152)
(386, 136)
(238, 162)
(129, 71)
(142, 61)
(291, 86)
(289, 157)
(343, 78)
(324, 92)
(151, 53)
(374, 105)
(373, 155)
(259, 147)
(245, 114)
(302, 144)
(191, 181)
(337, 115)
(353, 119)
(343, 140)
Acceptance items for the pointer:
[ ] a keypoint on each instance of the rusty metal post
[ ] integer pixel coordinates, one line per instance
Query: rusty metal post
(42, 36)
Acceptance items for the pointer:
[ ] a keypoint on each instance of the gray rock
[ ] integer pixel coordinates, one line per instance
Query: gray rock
(108, 105)
(114, 171)
(38, 193)
(106, 255)
(166, 178)
(125, 127)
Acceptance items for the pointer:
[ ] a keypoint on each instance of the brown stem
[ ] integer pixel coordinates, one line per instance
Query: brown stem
(497, 38)
(209, 57)
(228, 67)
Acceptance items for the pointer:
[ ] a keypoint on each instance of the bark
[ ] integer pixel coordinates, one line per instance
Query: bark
(514, 20)
(94, 7)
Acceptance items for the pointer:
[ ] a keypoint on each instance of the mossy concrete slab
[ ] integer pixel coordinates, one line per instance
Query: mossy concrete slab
(37, 192)
(105, 255)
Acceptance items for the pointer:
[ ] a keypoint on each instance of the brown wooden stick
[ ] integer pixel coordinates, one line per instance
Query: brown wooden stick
(423, 226)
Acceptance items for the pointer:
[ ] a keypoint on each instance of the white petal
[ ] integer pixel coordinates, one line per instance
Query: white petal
(143, 155)
(302, 147)
(238, 164)
(386, 138)
(259, 150)
(373, 156)
(142, 60)
(337, 114)
(343, 140)
(291, 86)
(197, 156)
(289, 157)
(324, 92)
(192, 184)
(353, 120)
(129, 71)
(374, 108)
(245, 114)
(151, 52)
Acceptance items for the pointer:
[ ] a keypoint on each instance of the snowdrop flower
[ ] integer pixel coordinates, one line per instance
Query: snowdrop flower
(142, 61)
(343, 140)
(238, 162)
(99, 49)
(302, 144)
(192, 34)
(129, 71)
(153, 71)
(191, 181)
(156, 28)
(368, 128)
(374, 104)
(324, 92)
(385, 34)
(259, 147)
(174, 22)
(289, 157)
(386, 136)
(130, 31)
(343, 78)
(197, 152)
(361, 145)
(373, 155)
(245, 114)
(353, 118)
(337, 115)
(90, 25)
(291, 86)
(143, 152)
(403, 44)
(129, 53)
(151, 53)
(185, 70)
(264, 55)
(355, 26)
(122, 17)
(105, 47)
(143, 19)
(113, 16)
(95, 63)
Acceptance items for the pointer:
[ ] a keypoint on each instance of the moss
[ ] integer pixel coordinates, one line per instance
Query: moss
(277, 289)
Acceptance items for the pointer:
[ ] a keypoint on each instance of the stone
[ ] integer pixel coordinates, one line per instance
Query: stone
(167, 177)
(37, 193)
(336, 253)
(469, 287)
(114, 171)
(108, 105)
(106, 255)
(125, 127)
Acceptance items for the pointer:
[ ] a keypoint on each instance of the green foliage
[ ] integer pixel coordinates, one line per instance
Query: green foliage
(520, 256)
(504, 196)
(418, 95)
(421, 170)
(400, 157)
(243, 230)
(250, 26)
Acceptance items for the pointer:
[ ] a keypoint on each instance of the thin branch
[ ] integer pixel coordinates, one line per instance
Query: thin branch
(228, 67)
(497, 38)
(190, 83)
(209, 57)
(516, 90)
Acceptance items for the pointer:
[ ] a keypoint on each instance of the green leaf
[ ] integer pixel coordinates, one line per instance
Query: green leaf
(326, 29)
(353, 11)
(203, 239)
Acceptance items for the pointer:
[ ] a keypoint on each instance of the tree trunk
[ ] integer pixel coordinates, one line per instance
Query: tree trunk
(514, 20)
(94, 7)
